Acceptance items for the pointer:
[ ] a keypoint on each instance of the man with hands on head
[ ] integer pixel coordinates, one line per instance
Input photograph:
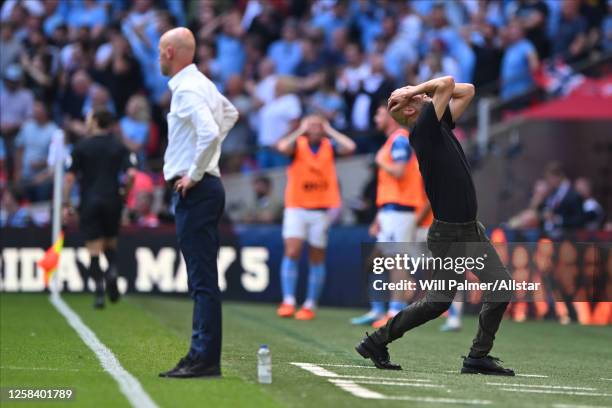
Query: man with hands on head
(198, 121)
(312, 191)
(431, 110)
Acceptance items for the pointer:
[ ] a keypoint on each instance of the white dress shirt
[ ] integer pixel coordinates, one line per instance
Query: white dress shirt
(198, 121)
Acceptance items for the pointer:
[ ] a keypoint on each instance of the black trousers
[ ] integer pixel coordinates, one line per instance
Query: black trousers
(456, 240)
(197, 220)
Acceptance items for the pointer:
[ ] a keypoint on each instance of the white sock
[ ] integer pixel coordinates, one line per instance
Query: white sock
(289, 300)
(310, 304)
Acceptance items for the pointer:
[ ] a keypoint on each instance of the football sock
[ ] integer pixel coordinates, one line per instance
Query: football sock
(316, 280)
(377, 307)
(396, 306)
(94, 270)
(111, 255)
(289, 277)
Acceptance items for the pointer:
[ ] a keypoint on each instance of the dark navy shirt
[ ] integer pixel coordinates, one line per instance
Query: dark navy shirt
(444, 167)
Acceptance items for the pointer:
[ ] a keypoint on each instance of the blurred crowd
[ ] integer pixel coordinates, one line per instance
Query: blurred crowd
(558, 204)
(276, 60)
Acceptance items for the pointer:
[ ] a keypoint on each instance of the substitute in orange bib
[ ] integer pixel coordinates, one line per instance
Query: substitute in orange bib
(312, 190)
(402, 206)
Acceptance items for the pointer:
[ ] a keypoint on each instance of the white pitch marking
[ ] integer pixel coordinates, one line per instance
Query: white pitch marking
(606, 379)
(517, 375)
(316, 370)
(578, 406)
(367, 377)
(587, 394)
(440, 400)
(356, 389)
(344, 365)
(322, 372)
(128, 384)
(552, 387)
(42, 368)
(361, 392)
(532, 375)
(384, 382)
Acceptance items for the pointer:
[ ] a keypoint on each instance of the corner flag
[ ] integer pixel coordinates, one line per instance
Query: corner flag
(49, 262)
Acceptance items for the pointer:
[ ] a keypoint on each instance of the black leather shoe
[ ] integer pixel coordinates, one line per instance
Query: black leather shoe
(188, 368)
(487, 365)
(182, 362)
(379, 354)
(111, 284)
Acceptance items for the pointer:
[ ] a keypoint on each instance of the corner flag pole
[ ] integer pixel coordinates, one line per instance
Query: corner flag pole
(57, 160)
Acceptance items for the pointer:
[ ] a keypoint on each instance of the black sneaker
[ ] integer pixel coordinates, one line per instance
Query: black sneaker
(379, 354)
(487, 365)
(111, 284)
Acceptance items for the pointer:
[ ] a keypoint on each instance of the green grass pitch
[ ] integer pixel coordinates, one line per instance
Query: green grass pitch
(572, 364)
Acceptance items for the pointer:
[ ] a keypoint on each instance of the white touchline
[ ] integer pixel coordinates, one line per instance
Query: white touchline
(554, 387)
(606, 379)
(43, 369)
(361, 392)
(587, 394)
(578, 406)
(128, 384)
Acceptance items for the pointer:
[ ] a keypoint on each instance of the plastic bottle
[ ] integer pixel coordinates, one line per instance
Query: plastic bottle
(264, 365)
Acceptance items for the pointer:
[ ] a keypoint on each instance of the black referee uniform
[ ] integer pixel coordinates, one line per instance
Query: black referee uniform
(99, 163)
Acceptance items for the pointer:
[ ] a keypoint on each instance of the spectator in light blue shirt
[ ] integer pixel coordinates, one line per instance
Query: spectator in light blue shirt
(331, 20)
(519, 60)
(53, 17)
(135, 127)
(327, 102)
(230, 48)
(12, 213)
(87, 13)
(368, 16)
(32, 144)
(286, 52)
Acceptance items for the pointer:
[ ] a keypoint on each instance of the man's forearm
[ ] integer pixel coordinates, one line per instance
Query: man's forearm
(431, 86)
(286, 143)
(462, 90)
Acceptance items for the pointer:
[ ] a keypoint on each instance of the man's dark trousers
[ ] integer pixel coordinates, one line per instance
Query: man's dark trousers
(456, 240)
(197, 219)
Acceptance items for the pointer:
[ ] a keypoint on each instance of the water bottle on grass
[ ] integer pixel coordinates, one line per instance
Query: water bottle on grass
(264, 365)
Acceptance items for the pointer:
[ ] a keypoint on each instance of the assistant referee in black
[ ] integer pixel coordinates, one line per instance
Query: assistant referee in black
(431, 109)
(103, 166)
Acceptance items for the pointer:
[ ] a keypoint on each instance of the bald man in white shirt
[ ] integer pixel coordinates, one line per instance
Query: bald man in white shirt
(198, 121)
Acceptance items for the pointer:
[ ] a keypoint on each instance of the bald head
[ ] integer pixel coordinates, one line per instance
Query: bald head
(176, 50)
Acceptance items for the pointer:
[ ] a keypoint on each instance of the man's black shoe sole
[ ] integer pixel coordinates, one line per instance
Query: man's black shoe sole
(365, 353)
(471, 370)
